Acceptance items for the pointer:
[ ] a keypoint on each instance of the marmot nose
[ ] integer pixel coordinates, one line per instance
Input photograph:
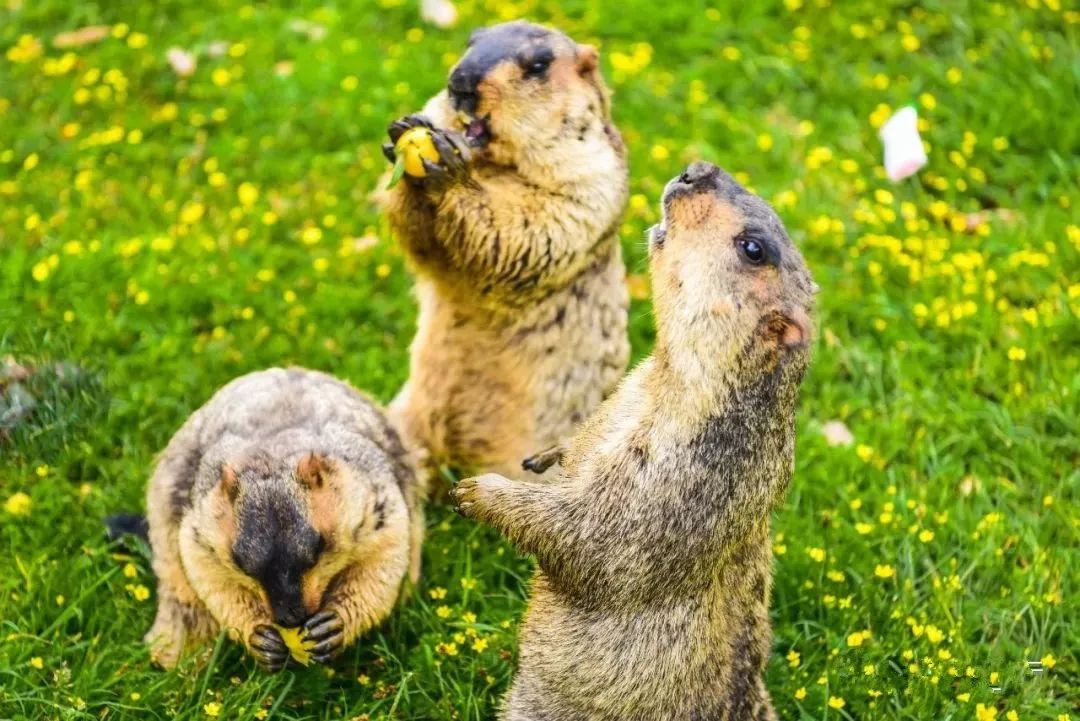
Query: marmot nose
(697, 173)
(287, 609)
(289, 617)
(462, 89)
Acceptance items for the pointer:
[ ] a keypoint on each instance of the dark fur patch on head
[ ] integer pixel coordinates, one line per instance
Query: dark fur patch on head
(275, 542)
(531, 46)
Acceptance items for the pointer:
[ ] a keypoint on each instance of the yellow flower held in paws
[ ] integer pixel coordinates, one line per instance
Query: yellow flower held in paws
(414, 147)
(299, 646)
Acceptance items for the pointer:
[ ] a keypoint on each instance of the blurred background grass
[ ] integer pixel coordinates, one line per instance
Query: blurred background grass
(160, 235)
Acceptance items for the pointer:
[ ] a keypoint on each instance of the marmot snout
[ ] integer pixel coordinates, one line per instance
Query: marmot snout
(652, 533)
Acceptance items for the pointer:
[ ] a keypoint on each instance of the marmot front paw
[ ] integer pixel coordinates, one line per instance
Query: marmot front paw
(268, 648)
(472, 496)
(327, 630)
(454, 156)
(398, 128)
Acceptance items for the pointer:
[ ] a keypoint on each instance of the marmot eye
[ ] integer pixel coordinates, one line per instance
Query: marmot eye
(752, 250)
(537, 67)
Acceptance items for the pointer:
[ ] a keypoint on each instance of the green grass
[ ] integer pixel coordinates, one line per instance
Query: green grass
(127, 252)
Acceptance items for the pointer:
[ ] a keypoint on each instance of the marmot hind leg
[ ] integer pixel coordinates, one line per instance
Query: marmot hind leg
(177, 627)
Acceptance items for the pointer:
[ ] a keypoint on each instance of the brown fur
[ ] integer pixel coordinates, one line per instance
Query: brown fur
(292, 439)
(519, 276)
(652, 536)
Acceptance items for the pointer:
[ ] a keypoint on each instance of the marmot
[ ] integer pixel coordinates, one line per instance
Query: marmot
(286, 500)
(513, 237)
(652, 540)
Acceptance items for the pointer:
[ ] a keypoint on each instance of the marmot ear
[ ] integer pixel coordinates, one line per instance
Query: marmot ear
(588, 59)
(313, 470)
(228, 482)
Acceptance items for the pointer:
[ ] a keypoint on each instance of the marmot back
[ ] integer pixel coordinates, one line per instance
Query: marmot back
(652, 534)
(287, 501)
(513, 236)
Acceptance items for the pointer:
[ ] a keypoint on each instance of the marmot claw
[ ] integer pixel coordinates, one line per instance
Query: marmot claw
(268, 648)
(461, 495)
(327, 630)
(453, 164)
(399, 126)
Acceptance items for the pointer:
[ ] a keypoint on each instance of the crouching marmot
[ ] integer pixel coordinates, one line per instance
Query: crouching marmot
(513, 236)
(652, 539)
(287, 500)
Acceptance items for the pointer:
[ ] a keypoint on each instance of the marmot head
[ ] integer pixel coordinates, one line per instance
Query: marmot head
(288, 522)
(521, 86)
(729, 284)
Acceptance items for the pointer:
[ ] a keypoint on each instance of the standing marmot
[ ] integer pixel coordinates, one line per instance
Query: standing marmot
(513, 235)
(287, 499)
(651, 599)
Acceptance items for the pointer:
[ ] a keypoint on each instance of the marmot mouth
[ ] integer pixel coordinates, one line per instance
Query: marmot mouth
(477, 130)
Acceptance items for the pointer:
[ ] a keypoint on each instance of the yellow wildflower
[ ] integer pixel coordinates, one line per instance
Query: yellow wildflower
(18, 504)
(884, 571)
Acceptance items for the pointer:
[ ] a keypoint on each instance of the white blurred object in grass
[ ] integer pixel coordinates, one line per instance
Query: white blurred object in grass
(181, 61)
(904, 153)
(440, 13)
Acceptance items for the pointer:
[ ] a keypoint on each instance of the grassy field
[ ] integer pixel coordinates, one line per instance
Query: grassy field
(159, 236)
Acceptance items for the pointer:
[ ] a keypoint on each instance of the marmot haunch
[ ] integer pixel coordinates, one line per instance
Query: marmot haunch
(287, 499)
(651, 598)
(513, 237)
